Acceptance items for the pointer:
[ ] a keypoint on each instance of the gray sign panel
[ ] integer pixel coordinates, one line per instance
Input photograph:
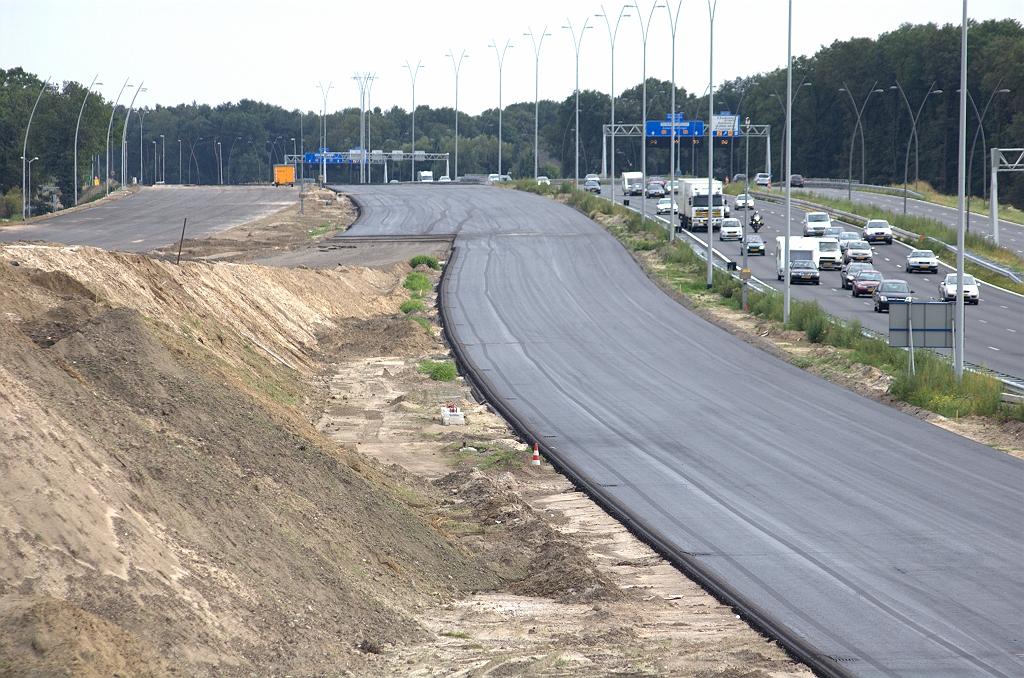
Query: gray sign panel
(931, 321)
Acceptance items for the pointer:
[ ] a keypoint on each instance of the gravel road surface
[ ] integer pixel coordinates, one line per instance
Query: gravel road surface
(892, 547)
(152, 217)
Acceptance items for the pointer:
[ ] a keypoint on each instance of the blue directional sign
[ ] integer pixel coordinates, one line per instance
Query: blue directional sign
(684, 128)
(331, 158)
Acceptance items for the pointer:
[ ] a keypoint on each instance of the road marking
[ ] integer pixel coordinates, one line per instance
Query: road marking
(993, 348)
(1011, 330)
(1001, 306)
(982, 321)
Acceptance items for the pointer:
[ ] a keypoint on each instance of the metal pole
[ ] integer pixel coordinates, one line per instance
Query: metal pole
(124, 135)
(457, 65)
(24, 151)
(369, 125)
(154, 162)
(711, 138)
(958, 346)
(79, 124)
(412, 77)
(673, 24)
(993, 198)
(179, 162)
(163, 159)
(611, 38)
(789, 160)
(576, 45)
(501, 63)
(536, 96)
(323, 121)
(142, 179)
(746, 212)
(644, 32)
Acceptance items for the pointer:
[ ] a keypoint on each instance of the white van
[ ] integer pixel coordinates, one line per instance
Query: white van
(800, 249)
(829, 254)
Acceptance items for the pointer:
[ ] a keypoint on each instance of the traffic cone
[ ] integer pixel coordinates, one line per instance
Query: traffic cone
(536, 455)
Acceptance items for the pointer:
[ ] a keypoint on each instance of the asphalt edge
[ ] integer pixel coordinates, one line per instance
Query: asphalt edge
(796, 646)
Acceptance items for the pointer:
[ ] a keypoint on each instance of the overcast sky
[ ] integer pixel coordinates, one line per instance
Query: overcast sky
(218, 51)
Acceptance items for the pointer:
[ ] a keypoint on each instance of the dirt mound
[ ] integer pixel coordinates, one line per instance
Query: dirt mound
(42, 636)
(561, 570)
(359, 338)
(62, 284)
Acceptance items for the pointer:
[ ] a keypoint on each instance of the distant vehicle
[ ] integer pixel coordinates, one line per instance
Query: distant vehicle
(675, 185)
(744, 201)
(947, 289)
(506, 177)
(858, 250)
(878, 230)
(445, 179)
(425, 176)
(755, 245)
(849, 272)
(493, 178)
(655, 190)
(815, 223)
(922, 260)
(829, 256)
(693, 215)
(737, 178)
(866, 282)
(800, 249)
(796, 181)
(593, 177)
(732, 229)
(665, 206)
(657, 180)
(804, 272)
(543, 181)
(846, 237)
(284, 174)
(891, 291)
(763, 179)
(632, 183)
(592, 185)
(394, 181)
(832, 232)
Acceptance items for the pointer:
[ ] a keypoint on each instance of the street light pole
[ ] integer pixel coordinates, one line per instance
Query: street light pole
(673, 24)
(958, 335)
(155, 174)
(323, 125)
(179, 162)
(220, 162)
(746, 214)
(984, 145)
(789, 160)
(576, 45)
(124, 135)
(24, 149)
(501, 64)
(857, 125)
(142, 114)
(712, 6)
(457, 65)
(163, 159)
(29, 186)
(231, 148)
(645, 31)
(413, 72)
(79, 124)
(611, 39)
(536, 96)
(913, 135)
(778, 97)
(110, 126)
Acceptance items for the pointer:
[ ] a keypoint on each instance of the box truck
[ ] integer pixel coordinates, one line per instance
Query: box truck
(693, 205)
(632, 183)
(284, 174)
(800, 249)
(426, 177)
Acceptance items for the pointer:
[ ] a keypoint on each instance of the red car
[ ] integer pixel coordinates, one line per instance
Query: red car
(866, 282)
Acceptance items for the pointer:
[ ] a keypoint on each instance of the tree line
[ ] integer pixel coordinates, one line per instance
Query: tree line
(236, 143)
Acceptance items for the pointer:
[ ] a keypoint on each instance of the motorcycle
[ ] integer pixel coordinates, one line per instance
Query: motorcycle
(756, 222)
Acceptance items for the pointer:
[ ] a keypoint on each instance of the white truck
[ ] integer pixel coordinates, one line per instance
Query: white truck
(426, 177)
(829, 254)
(800, 249)
(632, 183)
(693, 205)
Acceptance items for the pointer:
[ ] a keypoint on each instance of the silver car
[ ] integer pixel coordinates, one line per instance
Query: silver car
(947, 289)
(922, 260)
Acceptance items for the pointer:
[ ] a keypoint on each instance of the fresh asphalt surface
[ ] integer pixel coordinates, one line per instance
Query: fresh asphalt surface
(995, 327)
(1011, 235)
(152, 218)
(890, 545)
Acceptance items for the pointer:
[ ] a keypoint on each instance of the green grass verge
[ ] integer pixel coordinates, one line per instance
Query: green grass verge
(321, 229)
(424, 323)
(439, 371)
(431, 262)
(417, 282)
(411, 305)
(978, 205)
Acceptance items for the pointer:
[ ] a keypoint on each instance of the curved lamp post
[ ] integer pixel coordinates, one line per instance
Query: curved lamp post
(79, 124)
(231, 148)
(612, 34)
(576, 42)
(124, 135)
(24, 148)
(970, 158)
(413, 72)
(457, 65)
(778, 97)
(913, 136)
(857, 125)
(501, 64)
(537, 44)
(645, 32)
(323, 126)
(110, 127)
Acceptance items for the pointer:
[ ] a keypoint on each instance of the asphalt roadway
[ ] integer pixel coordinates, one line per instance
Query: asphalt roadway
(879, 544)
(995, 327)
(152, 218)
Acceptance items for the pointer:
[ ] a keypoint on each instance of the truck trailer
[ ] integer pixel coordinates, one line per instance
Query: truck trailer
(800, 249)
(284, 174)
(693, 205)
(632, 183)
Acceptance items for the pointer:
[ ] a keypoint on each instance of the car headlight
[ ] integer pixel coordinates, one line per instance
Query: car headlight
(881, 298)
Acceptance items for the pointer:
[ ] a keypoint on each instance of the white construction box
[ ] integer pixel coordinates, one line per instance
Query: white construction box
(452, 416)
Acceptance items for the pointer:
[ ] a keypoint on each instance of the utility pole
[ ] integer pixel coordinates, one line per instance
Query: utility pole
(958, 335)
(536, 96)
(25, 197)
(412, 76)
(611, 39)
(712, 6)
(458, 66)
(576, 45)
(673, 24)
(501, 64)
(789, 159)
(79, 124)
(110, 127)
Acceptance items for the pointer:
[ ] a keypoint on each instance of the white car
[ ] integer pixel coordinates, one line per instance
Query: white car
(744, 202)
(763, 179)
(444, 179)
(731, 229)
(815, 224)
(592, 177)
(947, 289)
(543, 181)
(922, 260)
(878, 230)
(665, 206)
(493, 178)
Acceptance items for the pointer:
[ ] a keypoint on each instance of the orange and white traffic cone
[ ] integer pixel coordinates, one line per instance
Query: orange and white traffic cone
(536, 455)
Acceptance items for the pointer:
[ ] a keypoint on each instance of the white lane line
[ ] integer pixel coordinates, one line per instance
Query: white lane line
(982, 321)
(1000, 305)
(993, 348)
(1011, 330)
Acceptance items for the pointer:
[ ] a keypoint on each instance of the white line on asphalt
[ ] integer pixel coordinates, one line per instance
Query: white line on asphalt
(993, 348)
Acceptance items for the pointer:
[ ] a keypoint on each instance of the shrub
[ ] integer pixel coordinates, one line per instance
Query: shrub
(417, 282)
(443, 371)
(431, 262)
(411, 305)
(12, 201)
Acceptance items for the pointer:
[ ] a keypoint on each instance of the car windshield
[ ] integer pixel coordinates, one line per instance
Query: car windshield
(833, 230)
(877, 224)
(754, 239)
(848, 235)
(894, 287)
(858, 267)
(922, 254)
(702, 200)
(803, 264)
(817, 217)
(731, 223)
(869, 275)
(968, 279)
(828, 246)
(859, 245)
